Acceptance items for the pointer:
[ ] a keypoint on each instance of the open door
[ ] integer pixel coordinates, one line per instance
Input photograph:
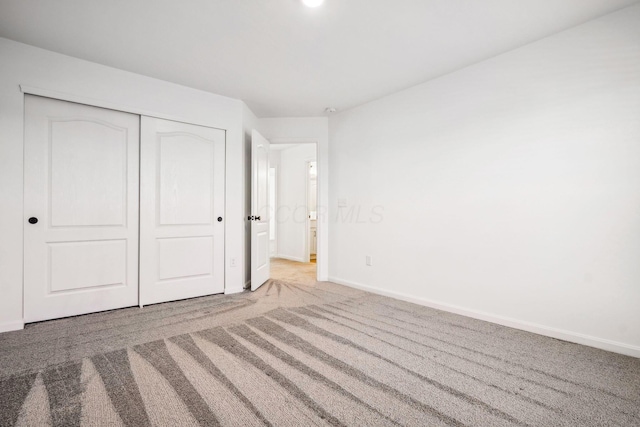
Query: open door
(260, 265)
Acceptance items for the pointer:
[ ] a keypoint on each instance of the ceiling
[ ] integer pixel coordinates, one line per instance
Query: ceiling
(284, 59)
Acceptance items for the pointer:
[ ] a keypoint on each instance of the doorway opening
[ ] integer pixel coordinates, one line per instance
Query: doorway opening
(293, 201)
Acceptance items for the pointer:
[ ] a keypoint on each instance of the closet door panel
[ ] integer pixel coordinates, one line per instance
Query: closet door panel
(182, 211)
(81, 209)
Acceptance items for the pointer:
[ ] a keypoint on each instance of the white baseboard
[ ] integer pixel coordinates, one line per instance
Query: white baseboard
(290, 258)
(578, 338)
(233, 291)
(11, 326)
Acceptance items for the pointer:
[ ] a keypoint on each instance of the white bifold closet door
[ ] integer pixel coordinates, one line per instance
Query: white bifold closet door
(80, 209)
(182, 201)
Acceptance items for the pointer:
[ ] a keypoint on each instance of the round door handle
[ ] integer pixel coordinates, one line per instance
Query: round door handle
(219, 219)
(33, 220)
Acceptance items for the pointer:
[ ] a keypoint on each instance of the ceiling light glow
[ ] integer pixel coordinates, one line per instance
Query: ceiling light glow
(312, 3)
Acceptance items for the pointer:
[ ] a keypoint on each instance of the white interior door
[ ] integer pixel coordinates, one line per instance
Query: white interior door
(260, 265)
(81, 209)
(182, 204)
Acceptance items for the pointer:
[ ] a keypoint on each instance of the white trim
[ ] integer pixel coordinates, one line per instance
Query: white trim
(293, 140)
(233, 291)
(11, 326)
(276, 185)
(79, 99)
(290, 258)
(307, 186)
(307, 220)
(574, 337)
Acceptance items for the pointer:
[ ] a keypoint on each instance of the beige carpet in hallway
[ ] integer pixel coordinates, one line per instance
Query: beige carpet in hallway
(294, 272)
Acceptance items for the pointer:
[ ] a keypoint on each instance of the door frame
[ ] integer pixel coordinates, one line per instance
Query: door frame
(307, 251)
(275, 210)
(322, 222)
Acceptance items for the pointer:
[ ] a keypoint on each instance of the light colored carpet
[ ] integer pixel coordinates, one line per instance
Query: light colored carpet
(294, 272)
(309, 353)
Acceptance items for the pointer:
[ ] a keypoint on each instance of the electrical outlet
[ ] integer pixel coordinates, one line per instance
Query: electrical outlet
(233, 262)
(368, 260)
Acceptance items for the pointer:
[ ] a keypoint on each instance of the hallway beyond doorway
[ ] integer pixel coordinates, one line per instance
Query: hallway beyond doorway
(293, 271)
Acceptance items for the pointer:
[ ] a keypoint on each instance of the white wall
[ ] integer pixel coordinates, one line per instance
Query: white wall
(509, 190)
(292, 203)
(274, 162)
(91, 83)
(307, 130)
